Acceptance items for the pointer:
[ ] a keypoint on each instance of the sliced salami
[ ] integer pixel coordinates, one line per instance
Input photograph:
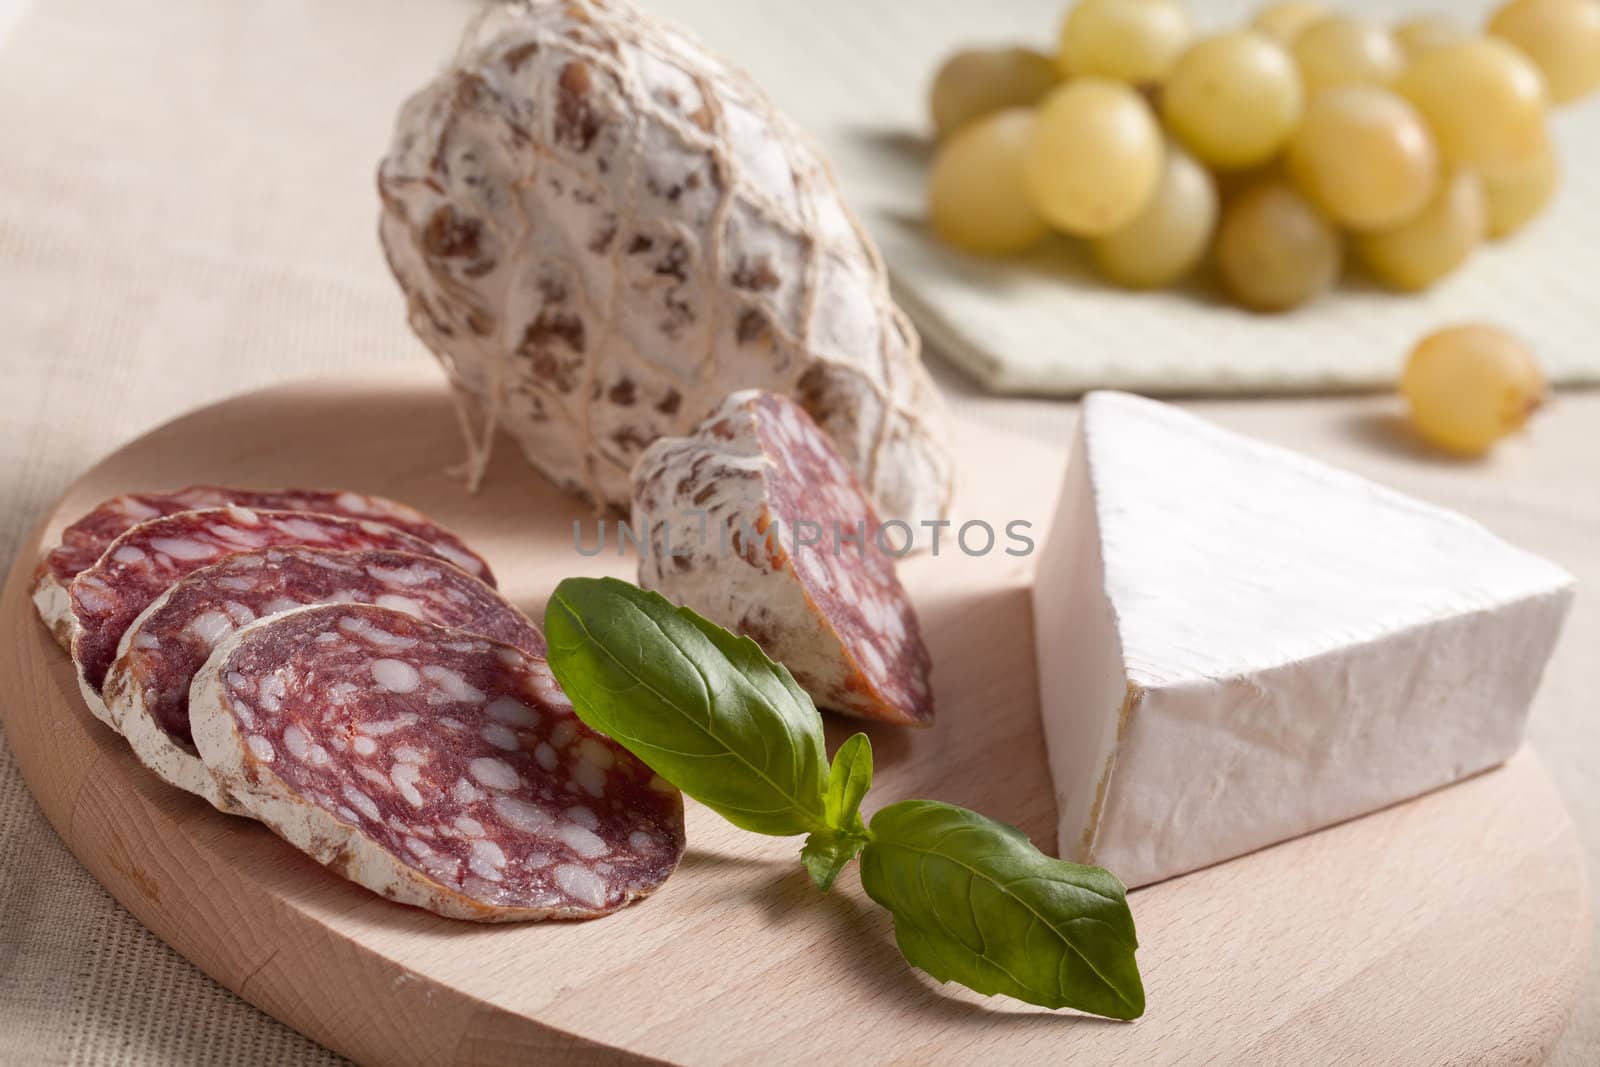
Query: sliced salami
(141, 564)
(85, 541)
(147, 688)
(435, 767)
(756, 523)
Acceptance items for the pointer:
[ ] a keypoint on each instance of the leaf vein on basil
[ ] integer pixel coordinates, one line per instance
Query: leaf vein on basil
(974, 901)
(705, 709)
(974, 874)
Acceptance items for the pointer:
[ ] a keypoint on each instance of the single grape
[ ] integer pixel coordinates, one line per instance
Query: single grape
(1167, 238)
(1517, 200)
(981, 81)
(1283, 21)
(976, 199)
(1485, 102)
(1128, 40)
(1274, 250)
(1426, 32)
(1364, 156)
(1469, 386)
(1562, 37)
(1418, 253)
(1094, 157)
(1339, 49)
(1234, 99)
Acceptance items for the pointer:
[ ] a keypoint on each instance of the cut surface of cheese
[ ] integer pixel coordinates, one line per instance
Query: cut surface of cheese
(1238, 644)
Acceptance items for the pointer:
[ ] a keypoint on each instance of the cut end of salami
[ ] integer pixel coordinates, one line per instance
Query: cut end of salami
(141, 564)
(147, 688)
(757, 523)
(434, 767)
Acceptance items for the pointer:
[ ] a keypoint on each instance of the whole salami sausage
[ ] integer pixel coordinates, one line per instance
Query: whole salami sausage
(83, 543)
(147, 688)
(139, 566)
(757, 524)
(432, 766)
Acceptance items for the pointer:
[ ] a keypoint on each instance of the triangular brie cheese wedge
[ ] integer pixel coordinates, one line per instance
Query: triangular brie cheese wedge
(1238, 645)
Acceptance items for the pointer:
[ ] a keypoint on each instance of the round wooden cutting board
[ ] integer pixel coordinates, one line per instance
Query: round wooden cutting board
(1451, 929)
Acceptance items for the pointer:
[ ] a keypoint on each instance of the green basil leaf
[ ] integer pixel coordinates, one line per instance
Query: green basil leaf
(974, 902)
(848, 781)
(704, 709)
(827, 852)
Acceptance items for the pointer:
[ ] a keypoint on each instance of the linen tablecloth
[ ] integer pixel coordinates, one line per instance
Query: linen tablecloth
(187, 211)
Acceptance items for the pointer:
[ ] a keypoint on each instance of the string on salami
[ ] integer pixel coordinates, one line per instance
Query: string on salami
(602, 229)
(756, 523)
(435, 767)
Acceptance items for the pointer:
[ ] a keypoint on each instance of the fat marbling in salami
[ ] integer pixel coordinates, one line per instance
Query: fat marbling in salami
(756, 523)
(141, 564)
(432, 766)
(83, 543)
(147, 688)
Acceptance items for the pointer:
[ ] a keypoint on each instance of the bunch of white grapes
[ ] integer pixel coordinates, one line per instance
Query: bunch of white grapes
(1274, 147)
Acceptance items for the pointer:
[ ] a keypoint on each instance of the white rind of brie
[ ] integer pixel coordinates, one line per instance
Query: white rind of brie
(1238, 645)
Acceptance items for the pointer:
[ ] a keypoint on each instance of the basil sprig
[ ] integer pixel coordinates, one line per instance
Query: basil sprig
(973, 901)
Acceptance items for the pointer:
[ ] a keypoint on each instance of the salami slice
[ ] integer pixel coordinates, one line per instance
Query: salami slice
(139, 566)
(147, 688)
(756, 523)
(83, 543)
(434, 767)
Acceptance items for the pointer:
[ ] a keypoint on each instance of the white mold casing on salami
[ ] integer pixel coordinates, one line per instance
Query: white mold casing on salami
(54, 604)
(833, 612)
(602, 230)
(434, 767)
(142, 563)
(85, 541)
(1238, 645)
(147, 688)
